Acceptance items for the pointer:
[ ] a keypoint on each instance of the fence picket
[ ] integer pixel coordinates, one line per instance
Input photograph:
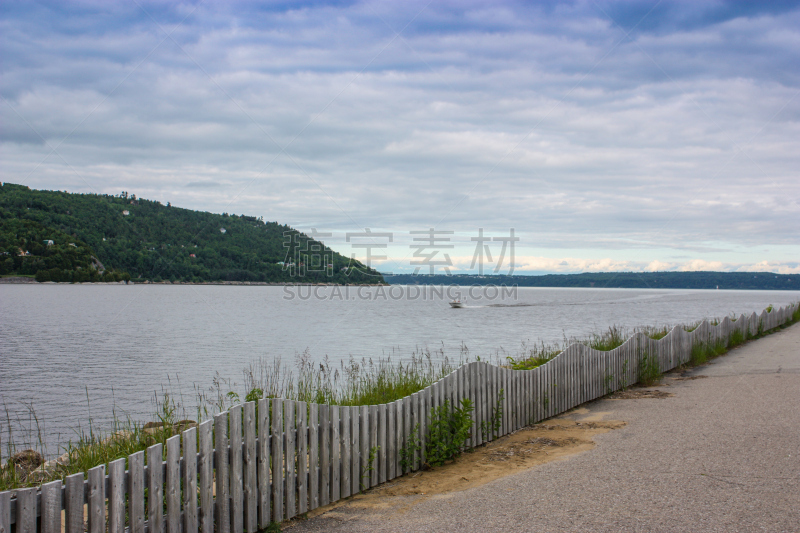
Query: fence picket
(355, 449)
(222, 507)
(302, 457)
(5, 512)
(313, 456)
(391, 441)
(382, 443)
(51, 507)
(424, 418)
(116, 496)
(172, 492)
(250, 469)
(373, 445)
(135, 501)
(290, 458)
(363, 473)
(406, 429)
(155, 475)
(236, 481)
(325, 455)
(206, 467)
(190, 521)
(26, 510)
(277, 460)
(344, 415)
(336, 455)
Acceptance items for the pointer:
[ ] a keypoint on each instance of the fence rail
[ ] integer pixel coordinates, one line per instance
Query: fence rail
(274, 459)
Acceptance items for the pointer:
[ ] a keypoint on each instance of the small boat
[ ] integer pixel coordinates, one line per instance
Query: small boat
(457, 304)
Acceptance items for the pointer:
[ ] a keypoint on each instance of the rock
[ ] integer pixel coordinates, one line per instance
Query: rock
(38, 476)
(183, 425)
(63, 459)
(27, 460)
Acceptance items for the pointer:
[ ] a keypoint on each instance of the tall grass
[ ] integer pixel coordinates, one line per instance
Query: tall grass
(92, 448)
(614, 337)
(365, 381)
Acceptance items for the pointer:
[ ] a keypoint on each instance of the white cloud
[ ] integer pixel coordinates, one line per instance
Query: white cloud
(541, 118)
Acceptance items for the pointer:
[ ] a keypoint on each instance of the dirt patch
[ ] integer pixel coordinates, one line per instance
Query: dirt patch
(688, 378)
(548, 441)
(637, 394)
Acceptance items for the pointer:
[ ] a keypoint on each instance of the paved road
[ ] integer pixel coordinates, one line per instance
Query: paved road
(723, 455)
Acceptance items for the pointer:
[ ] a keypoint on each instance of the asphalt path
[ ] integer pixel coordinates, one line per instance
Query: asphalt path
(722, 454)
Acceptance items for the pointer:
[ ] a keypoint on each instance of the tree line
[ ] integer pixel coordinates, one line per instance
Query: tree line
(147, 240)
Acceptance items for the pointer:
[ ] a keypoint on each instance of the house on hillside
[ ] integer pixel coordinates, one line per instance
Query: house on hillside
(48, 242)
(126, 213)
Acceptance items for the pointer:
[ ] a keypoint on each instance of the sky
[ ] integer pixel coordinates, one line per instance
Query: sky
(607, 136)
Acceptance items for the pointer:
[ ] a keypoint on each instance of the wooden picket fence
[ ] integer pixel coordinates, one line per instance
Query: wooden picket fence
(274, 459)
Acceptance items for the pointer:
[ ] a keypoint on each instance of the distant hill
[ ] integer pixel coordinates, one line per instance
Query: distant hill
(613, 280)
(152, 241)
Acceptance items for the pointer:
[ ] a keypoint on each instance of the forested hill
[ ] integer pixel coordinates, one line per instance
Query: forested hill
(153, 241)
(614, 280)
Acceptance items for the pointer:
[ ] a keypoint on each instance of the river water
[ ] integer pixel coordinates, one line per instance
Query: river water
(71, 352)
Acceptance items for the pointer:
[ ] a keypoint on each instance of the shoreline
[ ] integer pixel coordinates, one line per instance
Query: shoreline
(20, 280)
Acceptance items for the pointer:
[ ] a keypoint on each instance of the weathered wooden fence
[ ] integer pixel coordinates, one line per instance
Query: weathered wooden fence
(275, 459)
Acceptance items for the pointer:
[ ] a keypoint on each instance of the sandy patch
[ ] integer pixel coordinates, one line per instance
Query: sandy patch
(550, 440)
(688, 378)
(637, 394)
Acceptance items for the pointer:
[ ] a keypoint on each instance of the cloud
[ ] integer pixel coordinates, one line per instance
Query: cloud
(584, 126)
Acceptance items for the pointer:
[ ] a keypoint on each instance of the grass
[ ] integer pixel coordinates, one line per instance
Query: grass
(649, 370)
(364, 382)
(354, 382)
(92, 448)
(614, 337)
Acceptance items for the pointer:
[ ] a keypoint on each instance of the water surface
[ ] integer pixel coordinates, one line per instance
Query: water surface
(74, 351)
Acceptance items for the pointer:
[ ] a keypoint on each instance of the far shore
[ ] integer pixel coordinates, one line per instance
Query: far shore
(26, 280)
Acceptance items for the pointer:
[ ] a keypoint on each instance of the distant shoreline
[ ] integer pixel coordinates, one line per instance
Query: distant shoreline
(21, 280)
(708, 280)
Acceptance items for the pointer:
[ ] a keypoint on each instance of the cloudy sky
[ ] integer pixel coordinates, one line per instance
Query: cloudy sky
(607, 135)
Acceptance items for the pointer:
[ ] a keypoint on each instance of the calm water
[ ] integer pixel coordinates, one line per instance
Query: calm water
(117, 345)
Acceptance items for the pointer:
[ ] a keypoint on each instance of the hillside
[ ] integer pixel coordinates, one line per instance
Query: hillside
(613, 280)
(152, 241)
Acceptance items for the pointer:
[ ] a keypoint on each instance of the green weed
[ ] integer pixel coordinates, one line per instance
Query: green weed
(649, 370)
(369, 467)
(448, 431)
(491, 427)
